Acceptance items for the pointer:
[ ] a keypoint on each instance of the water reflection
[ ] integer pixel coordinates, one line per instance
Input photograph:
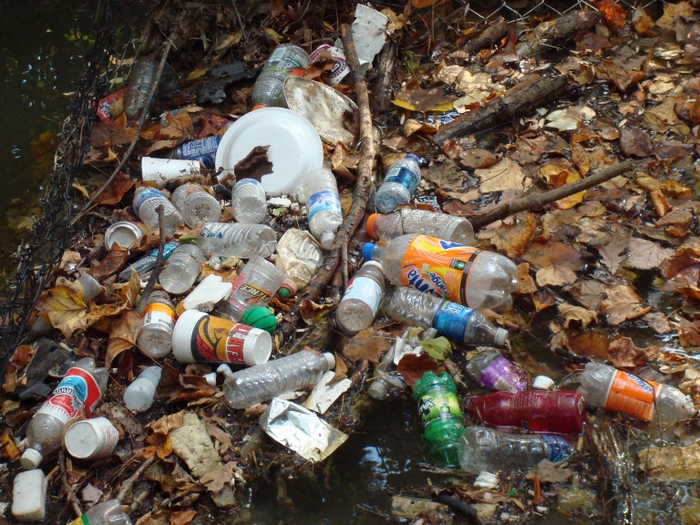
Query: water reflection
(380, 465)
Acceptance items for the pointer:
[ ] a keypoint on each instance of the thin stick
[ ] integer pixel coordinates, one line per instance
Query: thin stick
(129, 483)
(70, 493)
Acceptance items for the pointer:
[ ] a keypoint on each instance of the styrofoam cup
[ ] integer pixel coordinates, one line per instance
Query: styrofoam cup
(161, 171)
(91, 438)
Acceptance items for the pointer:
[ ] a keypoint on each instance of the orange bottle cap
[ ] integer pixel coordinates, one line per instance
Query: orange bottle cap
(369, 226)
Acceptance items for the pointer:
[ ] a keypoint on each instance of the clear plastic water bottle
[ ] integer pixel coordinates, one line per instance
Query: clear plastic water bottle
(74, 397)
(139, 395)
(155, 338)
(196, 205)
(146, 263)
(320, 193)
(435, 224)
(360, 302)
(226, 239)
(492, 370)
(141, 78)
(106, 513)
(284, 60)
(450, 319)
(607, 387)
(146, 202)
(259, 383)
(248, 201)
(184, 266)
(482, 448)
(399, 185)
(465, 275)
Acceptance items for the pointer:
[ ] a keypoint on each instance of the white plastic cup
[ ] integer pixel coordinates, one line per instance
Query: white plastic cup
(202, 338)
(161, 171)
(124, 233)
(91, 438)
(257, 283)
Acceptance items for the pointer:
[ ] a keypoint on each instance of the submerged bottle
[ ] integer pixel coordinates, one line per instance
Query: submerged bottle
(139, 395)
(320, 193)
(76, 395)
(195, 204)
(285, 60)
(146, 263)
(435, 224)
(450, 319)
(184, 266)
(552, 412)
(360, 303)
(248, 201)
(141, 78)
(399, 185)
(606, 386)
(226, 239)
(155, 338)
(492, 370)
(146, 202)
(259, 383)
(106, 513)
(438, 407)
(462, 274)
(482, 448)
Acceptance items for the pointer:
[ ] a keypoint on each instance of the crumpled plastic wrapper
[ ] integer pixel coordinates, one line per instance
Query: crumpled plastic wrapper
(298, 255)
(301, 430)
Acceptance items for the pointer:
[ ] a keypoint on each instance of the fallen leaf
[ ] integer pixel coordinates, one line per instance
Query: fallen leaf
(689, 335)
(555, 261)
(438, 348)
(582, 317)
(672, 11)
(658, 322)
(64, 308)
(368, 344)
(520, 242)
(662, 117)
(635, 142)
(445, 175)
(621, 77)
(543, 299)
(613, 253)
(591, 344)
(625, 354)
(642, 22)
(622, 304)
(123, 335)
(505, 175)
(412, 367)
(589, 293)
(477, 158)
(527, 283)
(570, 118)
(646, 255)
(550, 472)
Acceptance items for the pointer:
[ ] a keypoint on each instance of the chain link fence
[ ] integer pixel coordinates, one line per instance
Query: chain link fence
(522, 9)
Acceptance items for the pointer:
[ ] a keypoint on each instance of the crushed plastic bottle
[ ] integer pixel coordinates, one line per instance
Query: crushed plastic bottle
(141, 78)
(360, 302)
(399, 185)
(106, 513)
(492, 370)
(285, 60)
(320, 193)
(248, 201)
(435, 224)
(146, 202)
(225, 239)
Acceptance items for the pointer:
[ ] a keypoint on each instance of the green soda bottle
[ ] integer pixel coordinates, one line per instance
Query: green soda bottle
(438, 406)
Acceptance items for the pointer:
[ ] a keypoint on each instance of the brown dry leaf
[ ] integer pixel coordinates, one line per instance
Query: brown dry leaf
(63, 307)
(622, 304)
(662, 117)
(412, 367)
(527, 283)
(519, 243)
(445, 175)
(182, 517)
(646, 255)
(613, 253)
(220, 478)
(168, 423)
(661, 205)
(123, 335)
(658, 322)
(689, 335)
(506, 175)
(543, 299)
(671, 11)
(313, 313)
(642, 22)
(368, 344)
(113, 262)
(582, 317)
(115, 192)
(178, 125)
(579, 156)
(635, 142)
(477, 158)
(550, 472)
(591, 344)
(8, 449)
(625, 354)
(621, 77)
(556, 262)
(677, 222)
(112, 133)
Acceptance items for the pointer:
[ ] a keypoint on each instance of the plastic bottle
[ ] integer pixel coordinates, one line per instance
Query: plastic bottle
(482, 448)
(438, 407)
(259, 383)
(225, 239)
(76, 395)
(450, 319)
(146, 202)
(552, 412)
(248, 201)
(106, 513)
(435, 224)
(203, 150)
(141, 77)
(399, 185)
(184, 266)
(492, 370)
(320, 193)
(155, 338)
(139, 395)
(284, 60)
(195, 204)
(360, 302)
(146, 263)
(605, 386)
(465, 275)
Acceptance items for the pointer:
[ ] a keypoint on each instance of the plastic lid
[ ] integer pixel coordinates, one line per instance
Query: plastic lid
(182, 335)
(330, 358)
(81, 440)
(369, 225)
(542, 383)
(500, 337)
(368, 250)
(287, 288)
(257, 347)
(31, 458)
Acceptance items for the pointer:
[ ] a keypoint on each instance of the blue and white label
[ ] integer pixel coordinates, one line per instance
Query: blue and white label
(558, 448)
(323, 201)
(451, 320)
(404, 176)
(203, 150)
(245, 182)
(366, 290)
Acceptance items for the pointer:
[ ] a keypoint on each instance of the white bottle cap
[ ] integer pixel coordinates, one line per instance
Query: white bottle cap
(542, 383)
(31, 458)
(330, 358)
(29, 495)
(91, 438)
(500, 337)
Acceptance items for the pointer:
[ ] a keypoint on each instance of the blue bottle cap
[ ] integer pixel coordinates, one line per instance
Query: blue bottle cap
(413, 157)
(368, 250)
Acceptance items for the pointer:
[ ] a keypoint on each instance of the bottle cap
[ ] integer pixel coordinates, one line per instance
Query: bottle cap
(330, 358)
(377, 389)
(542, 383)
(500, 336)
(368, 250)
(91, 438)
(411, 156)
(288, 288)
(258, 106)
(31, 458)
(369, 225)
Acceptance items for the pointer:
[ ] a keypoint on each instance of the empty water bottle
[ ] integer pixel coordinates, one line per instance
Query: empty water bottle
(225, 239)
(107, 513)
(320, 192)
(284, 60)
(146, 263)
(248, 201)
(450, 319)
(141, 78)
(360, 303)
(465, 275)
(203, 150)
(155, 338)
(184, 266)
(146, 202)
(399, 185)
(435, 224)
(492, 370)
(196, 205)
(139, 395)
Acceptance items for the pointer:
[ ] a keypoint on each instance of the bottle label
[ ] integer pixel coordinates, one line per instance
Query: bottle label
(245, 182)
(451, 320)
(438, 404)
(632, 395)
(502, 375)
(323, 201)
(285, 60)
(217, 340)
(366, 290)
(558, 448)
(439, 267)
(404, 176)
(77, 393)
(213, 231)
(158, 314)
(149, 193)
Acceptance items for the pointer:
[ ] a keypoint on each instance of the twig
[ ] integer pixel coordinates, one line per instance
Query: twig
(132, 146)
(537, 201)
(160, 210)
(129, 483)
(70, 494)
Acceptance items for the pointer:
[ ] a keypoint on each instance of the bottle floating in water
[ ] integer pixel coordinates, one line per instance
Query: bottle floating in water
(184, 266)
(360, 303)
(433, 223)
(155, 338)
(146, 263)
(107, 513)
(492, 370)
(141, 78)
(399, 185)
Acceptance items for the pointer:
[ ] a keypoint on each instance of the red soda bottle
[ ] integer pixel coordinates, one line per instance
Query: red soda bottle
(555, 412)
